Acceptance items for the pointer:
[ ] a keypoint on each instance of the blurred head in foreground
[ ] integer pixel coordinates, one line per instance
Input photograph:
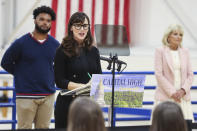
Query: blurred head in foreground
(85, 115)
(168, 116)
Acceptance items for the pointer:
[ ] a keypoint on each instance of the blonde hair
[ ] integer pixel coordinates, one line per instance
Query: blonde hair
(170, 29)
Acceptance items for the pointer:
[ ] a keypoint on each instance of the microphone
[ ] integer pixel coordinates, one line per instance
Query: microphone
(110, 61)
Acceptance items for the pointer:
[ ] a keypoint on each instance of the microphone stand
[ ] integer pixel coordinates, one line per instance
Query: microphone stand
(114, 59)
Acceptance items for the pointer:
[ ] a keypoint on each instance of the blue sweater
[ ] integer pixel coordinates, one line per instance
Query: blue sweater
(31, 64)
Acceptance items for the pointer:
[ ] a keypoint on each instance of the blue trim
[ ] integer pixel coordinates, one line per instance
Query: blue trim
(6, 88)
(143, 114)
(11, 104)
(7, 121)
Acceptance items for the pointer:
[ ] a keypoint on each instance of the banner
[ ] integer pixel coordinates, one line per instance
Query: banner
(128, 90)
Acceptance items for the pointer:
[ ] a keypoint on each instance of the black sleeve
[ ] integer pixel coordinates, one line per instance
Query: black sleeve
(11, 57)
(98, 70)
(60, 69)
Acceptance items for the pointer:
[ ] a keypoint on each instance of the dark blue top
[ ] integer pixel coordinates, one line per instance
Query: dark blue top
(31, 64)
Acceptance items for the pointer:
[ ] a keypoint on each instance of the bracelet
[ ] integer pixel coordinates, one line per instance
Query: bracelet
(183, 90)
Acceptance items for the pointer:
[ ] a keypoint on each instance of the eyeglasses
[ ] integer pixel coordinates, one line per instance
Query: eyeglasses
(79, 26)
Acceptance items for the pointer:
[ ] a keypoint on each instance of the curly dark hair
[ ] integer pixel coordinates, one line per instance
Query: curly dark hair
(44, 9)
(69, 44)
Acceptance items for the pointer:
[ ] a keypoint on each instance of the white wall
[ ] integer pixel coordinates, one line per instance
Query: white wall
(6, 19)
(150, 18)
(1, 31)
(140, 21)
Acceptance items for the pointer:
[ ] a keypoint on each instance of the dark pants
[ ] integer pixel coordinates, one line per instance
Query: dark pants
(61, 110)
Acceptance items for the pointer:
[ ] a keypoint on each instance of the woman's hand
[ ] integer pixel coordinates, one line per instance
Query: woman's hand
(180, 93)
(176, 98)
(89, 83)
(73, 85)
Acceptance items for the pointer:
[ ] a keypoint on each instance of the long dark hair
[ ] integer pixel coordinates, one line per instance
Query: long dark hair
(85, 115)
(69, 44)
(168, 116)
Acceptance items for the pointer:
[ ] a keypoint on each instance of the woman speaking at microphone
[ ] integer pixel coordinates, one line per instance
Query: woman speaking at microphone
(76, 59)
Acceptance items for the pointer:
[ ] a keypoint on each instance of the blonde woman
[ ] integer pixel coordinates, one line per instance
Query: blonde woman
(173, 71)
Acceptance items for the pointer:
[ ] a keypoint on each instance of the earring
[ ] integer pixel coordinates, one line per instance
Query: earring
(168, 40)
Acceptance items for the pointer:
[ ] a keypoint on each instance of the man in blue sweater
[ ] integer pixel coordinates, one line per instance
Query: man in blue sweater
(30, 60)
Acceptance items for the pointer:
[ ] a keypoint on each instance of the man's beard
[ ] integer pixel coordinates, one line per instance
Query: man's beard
(40, 30)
